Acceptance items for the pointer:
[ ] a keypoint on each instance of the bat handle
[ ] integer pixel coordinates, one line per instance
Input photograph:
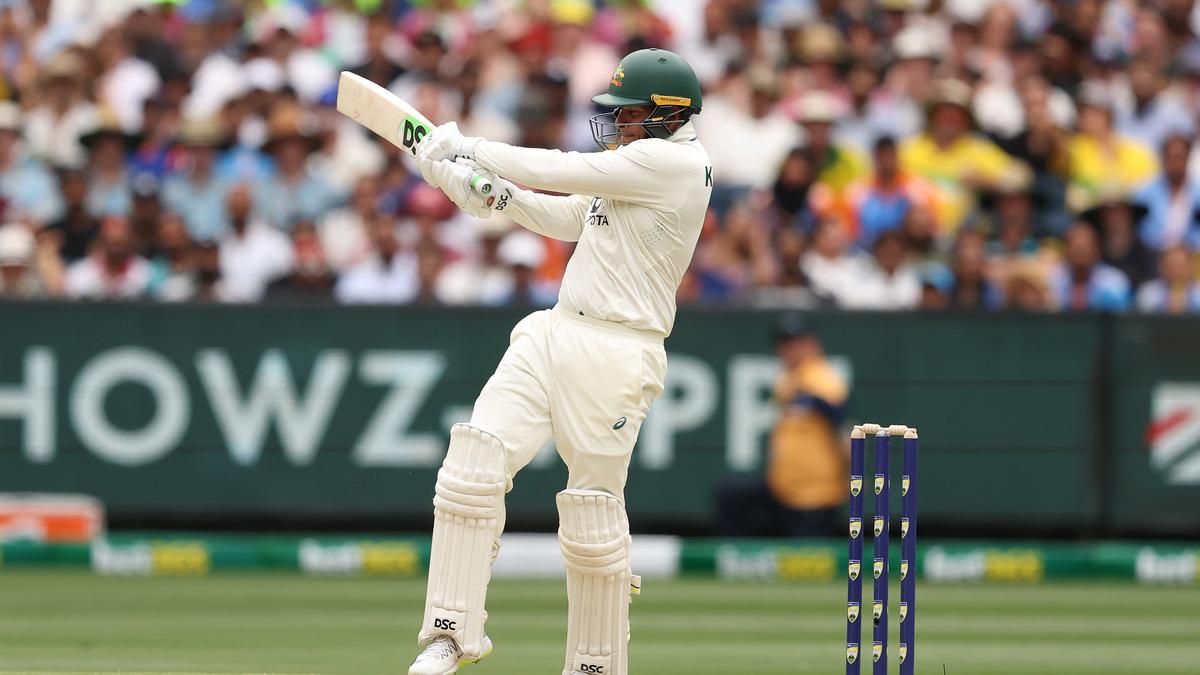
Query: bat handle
(482, 186)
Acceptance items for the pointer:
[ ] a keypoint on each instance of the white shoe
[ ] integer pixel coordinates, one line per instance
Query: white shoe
(443, 656)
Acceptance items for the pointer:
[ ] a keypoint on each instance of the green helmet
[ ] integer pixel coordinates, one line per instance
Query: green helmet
(653, 77)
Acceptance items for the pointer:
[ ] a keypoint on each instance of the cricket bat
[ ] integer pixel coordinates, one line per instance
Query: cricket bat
(389, 116)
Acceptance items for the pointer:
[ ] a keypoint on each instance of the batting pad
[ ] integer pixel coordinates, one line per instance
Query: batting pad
(593, 532)
(468, 517)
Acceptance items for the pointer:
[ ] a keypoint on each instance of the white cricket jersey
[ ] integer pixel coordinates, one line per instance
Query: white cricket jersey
(636, 212)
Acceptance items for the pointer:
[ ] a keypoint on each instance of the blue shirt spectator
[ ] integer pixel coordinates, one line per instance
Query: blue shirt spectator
(1176, 290)
(1157, 113)
(294, 193)
(27, 187)
(1082, 282)
(282, 201)
(196, 192)
(109, 189)
(1171, 201)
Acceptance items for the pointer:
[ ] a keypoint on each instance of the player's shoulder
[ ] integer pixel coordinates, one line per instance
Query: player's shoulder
(668, 154)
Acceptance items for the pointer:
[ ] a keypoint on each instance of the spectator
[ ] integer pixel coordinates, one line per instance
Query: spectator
(206, 258)
(921, 237)
(1011, 206)
(888, 282)
(731, 261)
(871, 113)
(125, 81)
(882, 202)
(295, 193)
(146, 213)
(804, 487)
(109, 189)
(431, 261)
(484, 279)
(153, 158)
(380, 64)
(310, 280)
(252, 253)
(971, 289)
(343, 232)
(389, 275)
(308, 72)
(791, 288)
(1026, 290)
(792, 208)
(1002, 108)
(1171, 201)
(1082, 282)
(1157, 111)
(1176, 289)
(1115, 220)
(909, 82)
(954, 159)
(1043, 145)
(1100, 158)
(63, 115)
(26, 186)
(522, 253)
(837, 165)
(19, 278)
(77, 228)
(1013, 247)
(195, 191)
(733, 127)
(112, 270)
(937, 284)
(821, 49)
(173, 262)
(831, 269)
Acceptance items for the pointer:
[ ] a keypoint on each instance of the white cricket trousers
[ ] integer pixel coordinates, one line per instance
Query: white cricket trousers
(584, 382)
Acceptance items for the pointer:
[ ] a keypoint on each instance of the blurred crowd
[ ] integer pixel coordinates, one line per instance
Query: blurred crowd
(1032, 155)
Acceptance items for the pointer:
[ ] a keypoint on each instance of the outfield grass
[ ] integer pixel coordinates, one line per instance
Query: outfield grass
(74, 621)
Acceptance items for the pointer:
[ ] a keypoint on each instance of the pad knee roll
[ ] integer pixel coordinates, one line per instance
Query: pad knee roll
(594, 536)
(468, 509)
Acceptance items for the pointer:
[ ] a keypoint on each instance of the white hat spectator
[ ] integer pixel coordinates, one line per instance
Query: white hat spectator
(263, 74)
(217, 81)
(10, 116)
(914, 42)
(20, 274)
(522, 249)
(17, 245)
(818, 107)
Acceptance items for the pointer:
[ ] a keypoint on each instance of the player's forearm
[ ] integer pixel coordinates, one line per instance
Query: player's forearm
(597, 174)
(555, 217)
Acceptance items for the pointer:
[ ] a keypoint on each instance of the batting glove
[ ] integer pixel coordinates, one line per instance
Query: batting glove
(454, 179)
(447, 142)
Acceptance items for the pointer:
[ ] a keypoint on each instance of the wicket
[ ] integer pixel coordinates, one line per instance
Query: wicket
(880, 561)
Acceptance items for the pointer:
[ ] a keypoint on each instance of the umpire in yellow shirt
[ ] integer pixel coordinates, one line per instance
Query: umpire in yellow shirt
(805, 483)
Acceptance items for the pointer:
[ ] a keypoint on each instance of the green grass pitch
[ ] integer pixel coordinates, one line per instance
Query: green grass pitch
(77, 622)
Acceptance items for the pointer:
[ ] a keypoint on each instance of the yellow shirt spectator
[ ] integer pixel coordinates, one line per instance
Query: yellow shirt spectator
(1096, 167)
(957, 171)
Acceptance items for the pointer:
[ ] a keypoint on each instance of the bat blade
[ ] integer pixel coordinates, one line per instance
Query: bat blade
(388, 116)
(381, 111)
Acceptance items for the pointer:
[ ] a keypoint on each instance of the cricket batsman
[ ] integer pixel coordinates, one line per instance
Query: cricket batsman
(583, 373)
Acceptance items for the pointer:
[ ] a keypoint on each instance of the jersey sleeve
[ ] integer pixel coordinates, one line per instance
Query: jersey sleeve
(632, 173)
(552, 216)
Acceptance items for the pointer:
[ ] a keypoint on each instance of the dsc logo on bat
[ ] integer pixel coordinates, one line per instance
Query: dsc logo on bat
(411, 133)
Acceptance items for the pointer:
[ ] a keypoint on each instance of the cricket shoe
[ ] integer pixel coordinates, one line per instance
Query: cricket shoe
(443, 656)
